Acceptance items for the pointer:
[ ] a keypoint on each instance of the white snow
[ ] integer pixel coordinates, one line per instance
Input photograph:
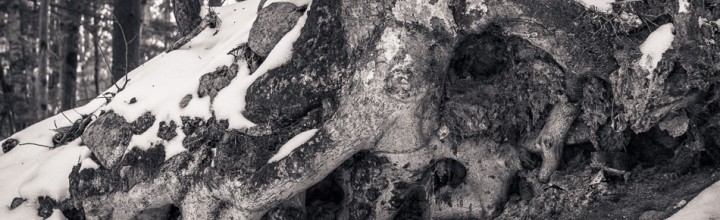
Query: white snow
(88, 163)
(655, 46)
(705, 205)
(683, 6)
(31, 169)
(604, 6)
(293, 143)
(56, 215)
(174, 146)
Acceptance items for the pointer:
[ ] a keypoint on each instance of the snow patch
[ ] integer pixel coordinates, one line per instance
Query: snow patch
(703, 206)
(683, 6)
(169, 84)
(30, 171)
(175, 146)
(604, 6)
(293, 143)
(226, 103)
(49, 175)
(88, 163)
(655, 46)
(214, 155)
(57, 215)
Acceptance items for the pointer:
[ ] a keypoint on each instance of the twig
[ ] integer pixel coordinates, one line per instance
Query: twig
(66, 117)
(36, 145)
(126, 52)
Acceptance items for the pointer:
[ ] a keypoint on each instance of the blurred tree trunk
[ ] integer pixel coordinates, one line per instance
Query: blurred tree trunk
(41, 80)
(125, 36)
(15, 76)
(54, 49)
(215, 3)
(96, 46)
(71, 27)
(187, 14)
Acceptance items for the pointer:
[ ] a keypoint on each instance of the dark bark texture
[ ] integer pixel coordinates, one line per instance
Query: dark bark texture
(127, 20)
(71, 27)
(187, 14)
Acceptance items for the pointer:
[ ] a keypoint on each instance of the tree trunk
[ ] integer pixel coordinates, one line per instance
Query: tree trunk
(17, 79)
(41, 77)
(447, 109)
(215, 3)
(187, 14)
(68, 77)
(127, 24)
(96, 47)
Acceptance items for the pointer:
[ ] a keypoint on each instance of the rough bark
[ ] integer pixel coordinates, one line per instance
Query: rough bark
(187, 15)
(439, 109)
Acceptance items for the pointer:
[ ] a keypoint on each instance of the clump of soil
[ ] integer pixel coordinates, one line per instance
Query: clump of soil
(143, 123)
(167, 130)
(211, 83)
(9, 144)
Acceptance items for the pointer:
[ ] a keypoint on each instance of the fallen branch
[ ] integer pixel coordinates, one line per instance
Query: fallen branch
(210, 20)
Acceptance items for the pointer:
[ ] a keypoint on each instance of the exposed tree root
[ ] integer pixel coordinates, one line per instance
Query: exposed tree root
(390, 108)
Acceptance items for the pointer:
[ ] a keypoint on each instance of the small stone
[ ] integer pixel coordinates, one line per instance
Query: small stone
(185, 101)
(132, 101)
(143, 123)
(9, 144)
(17, 201)
(680, 204)
(271, 25)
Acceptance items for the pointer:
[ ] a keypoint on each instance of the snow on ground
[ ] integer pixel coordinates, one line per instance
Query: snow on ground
(655, 46)
(31, 171)
(705, 205)
(293, 143)
(604, 6)
(170, 83)
(34, 169)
